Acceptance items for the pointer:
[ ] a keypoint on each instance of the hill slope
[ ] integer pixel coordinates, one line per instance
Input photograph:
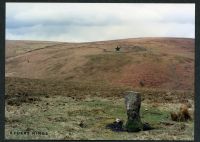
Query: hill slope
(166, 63)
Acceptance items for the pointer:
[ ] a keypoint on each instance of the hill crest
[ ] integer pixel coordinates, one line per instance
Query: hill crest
(158, 62)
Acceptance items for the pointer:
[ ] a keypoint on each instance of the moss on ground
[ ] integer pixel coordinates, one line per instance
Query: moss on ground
(62, 106)
(62, 116)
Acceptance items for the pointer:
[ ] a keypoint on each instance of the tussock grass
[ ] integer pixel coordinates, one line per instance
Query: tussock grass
(64, 105)
(106, 62)
(84, 89)
(61, 119)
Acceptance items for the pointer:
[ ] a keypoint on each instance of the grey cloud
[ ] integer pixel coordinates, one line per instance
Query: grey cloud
(75, 22)
(178, 18)
(18, 19)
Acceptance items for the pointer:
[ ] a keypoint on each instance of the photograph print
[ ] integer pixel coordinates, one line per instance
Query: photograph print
(99, 71)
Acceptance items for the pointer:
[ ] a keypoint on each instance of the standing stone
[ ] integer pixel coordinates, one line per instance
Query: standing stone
(133, 103)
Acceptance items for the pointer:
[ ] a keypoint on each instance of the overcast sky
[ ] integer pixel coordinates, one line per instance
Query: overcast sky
(93, 22)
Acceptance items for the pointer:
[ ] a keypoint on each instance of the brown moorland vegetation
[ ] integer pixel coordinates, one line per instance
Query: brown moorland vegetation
(166, 63)
(56, 86)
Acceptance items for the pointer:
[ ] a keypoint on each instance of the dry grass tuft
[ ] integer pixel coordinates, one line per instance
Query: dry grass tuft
(182, 115)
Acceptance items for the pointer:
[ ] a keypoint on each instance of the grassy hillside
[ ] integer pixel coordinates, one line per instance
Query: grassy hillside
(58, 107)
(166, 63)
(53, 87)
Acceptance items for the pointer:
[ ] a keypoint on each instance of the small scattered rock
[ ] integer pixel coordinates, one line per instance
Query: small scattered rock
(117, 125)
(146, 126)
(82, 124)
(117, 120)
